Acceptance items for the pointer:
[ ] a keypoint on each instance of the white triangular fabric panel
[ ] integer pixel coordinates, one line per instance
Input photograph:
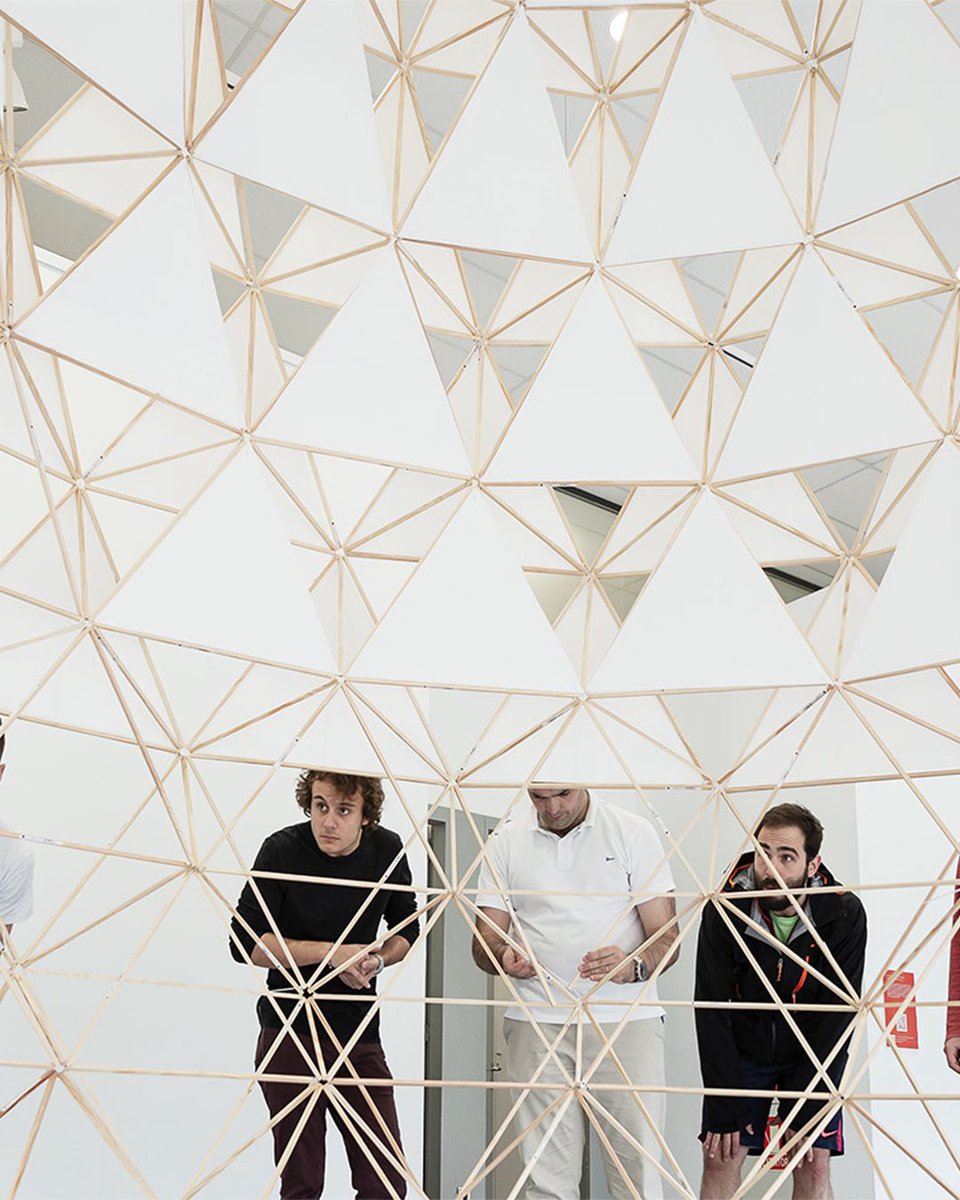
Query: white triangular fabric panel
(823, 388)
(502, 181)
(592, 412)
(370, 385)
(897, 132)
(134, 51)
(337, 725)
(581, 755)
(914, 619)
(225, 578)
(468, 617)
(707, 619)
(703, 183)
(143, 307)
(303, 122)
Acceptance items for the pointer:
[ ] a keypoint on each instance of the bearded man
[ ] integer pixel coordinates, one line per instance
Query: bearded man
(775, 943)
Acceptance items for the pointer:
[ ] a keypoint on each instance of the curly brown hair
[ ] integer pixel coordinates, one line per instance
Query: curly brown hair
(370, 788)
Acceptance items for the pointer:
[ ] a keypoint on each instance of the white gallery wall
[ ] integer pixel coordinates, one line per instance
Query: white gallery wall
(464, 392)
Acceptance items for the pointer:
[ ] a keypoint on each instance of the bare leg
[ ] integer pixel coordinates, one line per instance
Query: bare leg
(811, 1180)
(721, 1178)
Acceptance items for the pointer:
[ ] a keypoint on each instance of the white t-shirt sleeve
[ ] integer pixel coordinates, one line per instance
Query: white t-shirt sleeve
(493, 867)
(16, 882)
(650, 872)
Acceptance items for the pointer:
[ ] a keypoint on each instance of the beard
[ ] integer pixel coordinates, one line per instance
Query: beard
(778, 901)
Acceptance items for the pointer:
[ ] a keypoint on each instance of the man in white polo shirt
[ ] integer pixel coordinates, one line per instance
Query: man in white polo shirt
(576, 907)
(16, 873)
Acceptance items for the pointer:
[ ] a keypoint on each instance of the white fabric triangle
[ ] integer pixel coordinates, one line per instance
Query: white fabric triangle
(370, 386)
(133, 51)
(649, 764)
(502, 181)
(593, 382)
(79, 693)
(194, 682)
(914, 618)
(896, 130)
(774, 745)
(143, 307)
(516, 722)
(303, 121)
(914, 747)
(707, 619)
(822, 389)
(581, 755)
(468, 617)
(225, 578)
(703, 183)
(839, 747)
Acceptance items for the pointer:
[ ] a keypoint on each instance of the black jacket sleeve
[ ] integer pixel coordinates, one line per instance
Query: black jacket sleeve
(402, 905)
(252, 912)
(719, 1057)
(824, 1030)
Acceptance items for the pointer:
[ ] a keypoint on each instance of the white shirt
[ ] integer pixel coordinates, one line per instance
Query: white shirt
(16, 880)
(616, 857)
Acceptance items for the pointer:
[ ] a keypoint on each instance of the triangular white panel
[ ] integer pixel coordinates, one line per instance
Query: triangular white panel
(823, 388)
(703, 183)
(914, 619)
(513, 722)
(502, 181)
(143, 307)
(581, 755)
(896, 131)
(370, 386)
(468, 617)
(134, 51)
(647, 762)
(303, 122)
(225, 578)
(911, 745)
(337, 736)
(592, 384)
(775, 744)
(839, 747)
(707, 619)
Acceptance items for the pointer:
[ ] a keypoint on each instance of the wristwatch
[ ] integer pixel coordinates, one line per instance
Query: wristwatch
(639, 971)
(379, 958)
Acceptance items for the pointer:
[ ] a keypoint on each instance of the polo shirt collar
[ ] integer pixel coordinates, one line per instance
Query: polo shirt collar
(533, 820)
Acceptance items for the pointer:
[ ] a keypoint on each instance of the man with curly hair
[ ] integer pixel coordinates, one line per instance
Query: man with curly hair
(311, 914)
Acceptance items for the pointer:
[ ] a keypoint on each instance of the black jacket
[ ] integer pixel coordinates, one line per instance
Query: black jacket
(724, 972)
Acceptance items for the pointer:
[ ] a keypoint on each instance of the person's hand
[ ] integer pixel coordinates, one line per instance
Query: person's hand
(515, 964)
(359, 973)
(951, 1048)
(597, 965)
(807, 1155)
(725, 1146)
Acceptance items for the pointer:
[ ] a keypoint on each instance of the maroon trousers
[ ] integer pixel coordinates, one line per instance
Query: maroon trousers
(302, 1176)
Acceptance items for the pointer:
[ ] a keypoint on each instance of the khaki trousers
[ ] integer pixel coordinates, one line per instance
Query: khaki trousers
(556, 1162)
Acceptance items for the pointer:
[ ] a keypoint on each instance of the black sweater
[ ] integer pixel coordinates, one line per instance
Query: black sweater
(318, 911)
(724, 972)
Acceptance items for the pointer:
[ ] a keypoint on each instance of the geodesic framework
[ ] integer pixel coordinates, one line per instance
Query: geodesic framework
(326, 329)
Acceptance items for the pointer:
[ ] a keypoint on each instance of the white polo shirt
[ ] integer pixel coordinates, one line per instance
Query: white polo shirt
(616, 857)
(16, 880)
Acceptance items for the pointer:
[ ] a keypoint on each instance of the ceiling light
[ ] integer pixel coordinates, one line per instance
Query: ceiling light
(618, 22)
